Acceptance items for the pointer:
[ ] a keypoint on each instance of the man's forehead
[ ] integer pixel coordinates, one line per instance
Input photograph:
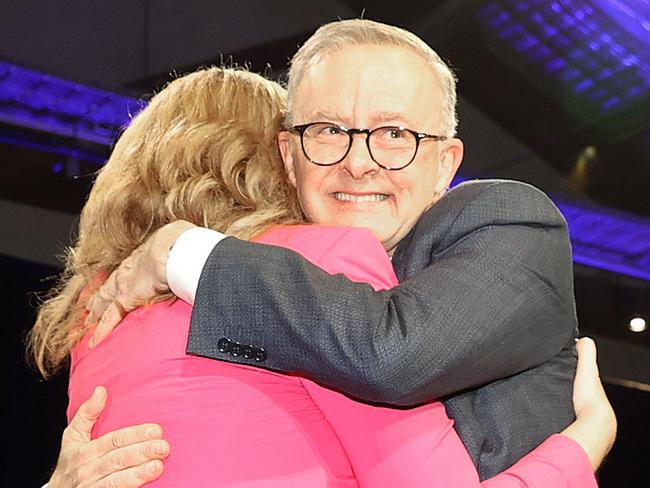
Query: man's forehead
(375, 83)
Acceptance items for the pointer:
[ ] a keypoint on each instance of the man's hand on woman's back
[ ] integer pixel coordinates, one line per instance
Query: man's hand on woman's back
(125, 458)
(138, 280)
(595, 425)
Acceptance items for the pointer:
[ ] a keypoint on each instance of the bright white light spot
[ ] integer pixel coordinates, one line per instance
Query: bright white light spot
(637, 324)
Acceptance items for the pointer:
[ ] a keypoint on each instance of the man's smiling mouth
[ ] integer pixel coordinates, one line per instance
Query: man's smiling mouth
(347, 197)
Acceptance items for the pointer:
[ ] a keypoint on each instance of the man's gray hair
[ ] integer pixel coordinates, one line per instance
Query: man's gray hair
(340, 35)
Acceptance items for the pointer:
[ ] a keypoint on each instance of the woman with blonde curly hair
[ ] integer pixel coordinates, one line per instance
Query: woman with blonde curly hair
(204, 151)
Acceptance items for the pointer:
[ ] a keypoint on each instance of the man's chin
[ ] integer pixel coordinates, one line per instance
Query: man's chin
(360, 222)
(374, 223)
(377, 230)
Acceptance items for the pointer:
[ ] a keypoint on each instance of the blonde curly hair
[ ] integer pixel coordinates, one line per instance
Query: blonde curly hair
(204, 150)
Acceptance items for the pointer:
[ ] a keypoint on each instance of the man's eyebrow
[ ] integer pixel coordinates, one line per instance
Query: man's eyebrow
(377, 118)
(390, 116)
(326, 116)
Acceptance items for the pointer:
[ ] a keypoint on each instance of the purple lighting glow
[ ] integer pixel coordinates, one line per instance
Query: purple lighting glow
(609, 240)
(38, 101)
(597, 46)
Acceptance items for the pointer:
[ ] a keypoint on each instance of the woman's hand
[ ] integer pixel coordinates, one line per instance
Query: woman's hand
(127, 458)
(140, 278)
(595, 425)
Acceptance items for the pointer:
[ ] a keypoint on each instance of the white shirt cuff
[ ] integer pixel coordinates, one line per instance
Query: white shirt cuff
(187, 258)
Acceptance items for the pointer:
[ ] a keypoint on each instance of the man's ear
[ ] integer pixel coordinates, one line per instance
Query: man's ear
(284, 143)
(450, 159)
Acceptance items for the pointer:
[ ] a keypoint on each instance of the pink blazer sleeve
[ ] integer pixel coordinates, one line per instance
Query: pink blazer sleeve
(557, 462)
(417, 447)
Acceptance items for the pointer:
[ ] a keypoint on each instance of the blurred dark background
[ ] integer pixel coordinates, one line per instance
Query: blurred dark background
(555, 93)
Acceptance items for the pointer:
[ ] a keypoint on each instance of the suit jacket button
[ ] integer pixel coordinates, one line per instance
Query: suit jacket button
(223, 345)
(260, 355)
(248, 352)
(235, 349)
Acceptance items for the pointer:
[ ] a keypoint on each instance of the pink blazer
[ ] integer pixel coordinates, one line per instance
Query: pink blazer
(231, 425)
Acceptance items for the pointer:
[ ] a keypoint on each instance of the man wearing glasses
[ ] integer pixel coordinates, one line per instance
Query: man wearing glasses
(486, 269)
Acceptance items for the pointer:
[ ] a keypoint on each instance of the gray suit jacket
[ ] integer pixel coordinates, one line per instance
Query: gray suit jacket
(484, 318)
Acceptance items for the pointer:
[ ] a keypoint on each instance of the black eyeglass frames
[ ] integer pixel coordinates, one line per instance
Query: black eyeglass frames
(391, 147)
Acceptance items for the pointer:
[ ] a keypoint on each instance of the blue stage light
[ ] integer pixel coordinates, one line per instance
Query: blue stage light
(607, 239)
(599, 50)
(42, 102)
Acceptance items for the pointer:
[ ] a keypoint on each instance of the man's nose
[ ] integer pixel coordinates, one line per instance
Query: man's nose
(358, 162)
